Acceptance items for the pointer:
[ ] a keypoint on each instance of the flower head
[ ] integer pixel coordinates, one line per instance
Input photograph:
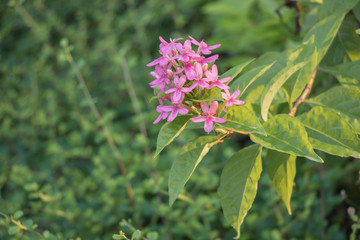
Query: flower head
(231, 99)
(209, 117)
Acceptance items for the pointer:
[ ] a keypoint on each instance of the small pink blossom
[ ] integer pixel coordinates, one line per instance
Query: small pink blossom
(174, 109)
(213, 76)
(231, 99)
(199, 80)
(162, 78)
(177, 93)
(209, 117)
(163, 114)
(165, 47)
(203, 47)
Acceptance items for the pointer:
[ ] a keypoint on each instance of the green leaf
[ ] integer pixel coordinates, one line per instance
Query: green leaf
(306, 52)
(349, 39)
(286, 134)
(316, 43)
(241, 118)
(233, 72)
(13, 229)
(274, 86)
(345, 101)
(238, 184)
(169, 131)
(281, 169)
(244, 81)
(348, 74)
(358, 31)
(185, 163)
(330, 133)
(18, 214)
(136, 235)
(213, 94)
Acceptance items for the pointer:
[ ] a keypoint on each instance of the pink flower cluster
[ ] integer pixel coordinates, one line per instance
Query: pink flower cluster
(182, 72)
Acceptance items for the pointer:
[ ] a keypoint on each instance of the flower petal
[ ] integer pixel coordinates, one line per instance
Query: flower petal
(172, 115)
(204, 107)
(183, 110)
(236, 93)
(199, 119)
(238, 102)
(219, 120)
(208, 126)
(213, 106)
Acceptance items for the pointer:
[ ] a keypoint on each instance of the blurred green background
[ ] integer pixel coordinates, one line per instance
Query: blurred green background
(60, 176)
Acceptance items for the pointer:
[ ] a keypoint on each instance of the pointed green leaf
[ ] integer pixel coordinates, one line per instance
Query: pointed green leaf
(169, 131)
(348, 74)
(286, 134)
(238, 184)
(243, 119)
(306, 52)
(330, 133)
(345, 101)
(281, 169)
(274, 86)
(233, 72)
(244, 81)
(185, 163)
(316, 43)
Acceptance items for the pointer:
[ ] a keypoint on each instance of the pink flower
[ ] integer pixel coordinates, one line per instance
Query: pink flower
(203, 47)
(179, 91)
(163, 114)
(213, 76)
(186, 52)
(209, 117)
(165, 47)
(231, 99)
(162, 78)
(199, 80)
(174, 109)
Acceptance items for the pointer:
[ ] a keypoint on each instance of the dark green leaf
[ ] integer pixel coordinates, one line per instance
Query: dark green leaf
(241, 118)
(244, 81)
(238, 184)
(170, 131)
(345, 101)
(185, 163)
(281, 169)
(316, 43)
(233, 72)
(330, 133)
(286, 134)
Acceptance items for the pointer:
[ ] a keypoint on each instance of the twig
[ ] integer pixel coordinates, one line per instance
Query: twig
(304, 94)
(106, 131)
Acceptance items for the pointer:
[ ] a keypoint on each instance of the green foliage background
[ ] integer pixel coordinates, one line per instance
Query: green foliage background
(58, 174)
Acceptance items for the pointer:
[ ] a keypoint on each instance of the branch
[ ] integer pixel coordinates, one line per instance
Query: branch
(304, 94)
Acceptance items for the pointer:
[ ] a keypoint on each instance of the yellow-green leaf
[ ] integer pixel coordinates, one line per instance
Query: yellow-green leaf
(238, 184)
(286, 134)
(281, 169)
(330, 133)
(185, 163)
